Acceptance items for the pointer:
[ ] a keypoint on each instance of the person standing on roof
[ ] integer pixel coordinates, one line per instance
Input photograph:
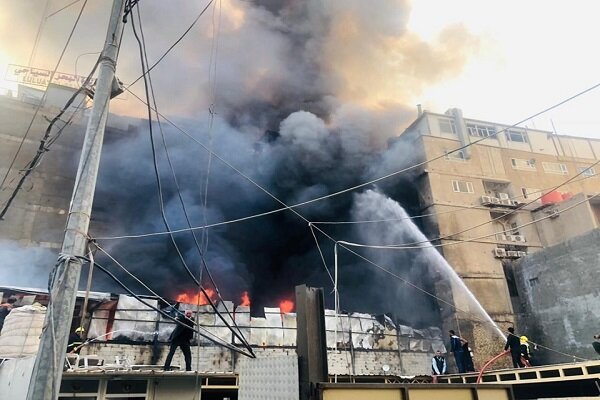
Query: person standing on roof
(456, 346)
(75, 341)
(181, 337)
(438, 364)
(5, 310)
(514, 344)
(525, 351)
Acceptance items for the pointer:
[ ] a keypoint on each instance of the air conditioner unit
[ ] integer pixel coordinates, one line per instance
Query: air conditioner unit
(512, 254)
(499, 253)
(485, 200)
(522, 253)
(502, 237)
(554, 213)
(503, 196)
(518, 238)
(495, 200)
(506, 202)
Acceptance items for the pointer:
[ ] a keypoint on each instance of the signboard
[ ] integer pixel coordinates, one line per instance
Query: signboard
(41, 77)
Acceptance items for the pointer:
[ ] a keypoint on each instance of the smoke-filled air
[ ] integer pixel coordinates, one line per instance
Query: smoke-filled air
(305, 96)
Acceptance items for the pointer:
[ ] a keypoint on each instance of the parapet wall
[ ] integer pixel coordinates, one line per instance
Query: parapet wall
(212, 359)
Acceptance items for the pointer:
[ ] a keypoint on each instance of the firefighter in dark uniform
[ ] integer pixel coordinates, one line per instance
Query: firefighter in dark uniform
(75, 341)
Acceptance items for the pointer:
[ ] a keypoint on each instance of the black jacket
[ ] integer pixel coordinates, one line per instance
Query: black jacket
(182, 334)
(514, 343)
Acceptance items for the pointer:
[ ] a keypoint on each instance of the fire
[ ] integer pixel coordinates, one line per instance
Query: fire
(286, 306)
(245, 300)
(197, 298)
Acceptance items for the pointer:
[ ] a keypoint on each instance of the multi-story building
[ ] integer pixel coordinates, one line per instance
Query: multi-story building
(485, 199)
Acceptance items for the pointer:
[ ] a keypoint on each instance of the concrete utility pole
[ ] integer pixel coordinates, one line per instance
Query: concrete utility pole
(47, 371)
(311, 340)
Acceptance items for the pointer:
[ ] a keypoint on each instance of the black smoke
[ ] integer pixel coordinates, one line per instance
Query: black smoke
(308, 93)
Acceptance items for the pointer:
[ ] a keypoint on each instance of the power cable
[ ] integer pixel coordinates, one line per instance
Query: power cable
(185, 133)
(47, 140)
(291, 208)
(447, 236)
(150, 90)
(173, 45)
(467, 313)
(62, 8)
(217, 341)
(39, 106)
(463, 208)
(201, 253)
(114, 260)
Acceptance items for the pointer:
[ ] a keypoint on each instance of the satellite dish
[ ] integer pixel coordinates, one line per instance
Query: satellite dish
(385, 367)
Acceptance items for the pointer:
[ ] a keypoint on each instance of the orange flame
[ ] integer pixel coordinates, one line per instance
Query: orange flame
(245, 300)
(197, 298)
(286, 306)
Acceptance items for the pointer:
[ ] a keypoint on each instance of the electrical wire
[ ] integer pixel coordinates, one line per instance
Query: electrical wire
(39, 106)
(291, 208)
(150, 91)
(217, 341)
(173, 45)
(185, 133)
(477, 206)
(114, 260)
(520, 207)
(47, 141)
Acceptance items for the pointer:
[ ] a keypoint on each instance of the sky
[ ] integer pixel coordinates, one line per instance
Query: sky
(497, 61)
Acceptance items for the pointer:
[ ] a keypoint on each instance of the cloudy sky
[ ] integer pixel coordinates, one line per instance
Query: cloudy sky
(498, 61)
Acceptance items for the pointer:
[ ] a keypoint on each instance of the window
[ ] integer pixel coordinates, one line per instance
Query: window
(462, 187)
(530, 193)
(534, 282)
(586, 171)
(555, 168)
(520, 163)
(456, 156)
(516, 136)
(481, 130)
(447, 126)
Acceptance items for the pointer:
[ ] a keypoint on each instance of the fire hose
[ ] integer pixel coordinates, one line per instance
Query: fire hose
(494, 359)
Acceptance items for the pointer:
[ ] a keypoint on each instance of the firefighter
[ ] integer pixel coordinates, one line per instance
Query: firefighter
(181, 337)
(75, 341)
(525, 351)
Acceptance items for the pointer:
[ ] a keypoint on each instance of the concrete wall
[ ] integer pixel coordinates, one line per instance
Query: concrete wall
(575, 218)
(216, 359)
(559, 291)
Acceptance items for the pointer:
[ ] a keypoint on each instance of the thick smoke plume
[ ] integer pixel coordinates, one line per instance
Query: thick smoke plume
(307, 95)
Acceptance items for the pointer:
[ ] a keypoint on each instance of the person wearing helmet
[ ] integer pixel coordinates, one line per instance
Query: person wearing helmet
(525, 351)
(181, 337)
(75, 341)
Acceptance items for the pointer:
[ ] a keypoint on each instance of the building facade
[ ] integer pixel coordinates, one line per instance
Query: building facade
(487, 206)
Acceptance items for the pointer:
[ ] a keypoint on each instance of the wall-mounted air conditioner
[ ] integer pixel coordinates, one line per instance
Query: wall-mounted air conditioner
(518, 238)
(522, 253)
(495, 200)
(506, 202)
(502, 237)
(486, 200)
(499, 252)
(554, 213)
(512, 254)
(503, 196)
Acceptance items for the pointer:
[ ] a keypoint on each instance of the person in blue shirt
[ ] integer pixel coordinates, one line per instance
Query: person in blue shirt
(456, 347)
